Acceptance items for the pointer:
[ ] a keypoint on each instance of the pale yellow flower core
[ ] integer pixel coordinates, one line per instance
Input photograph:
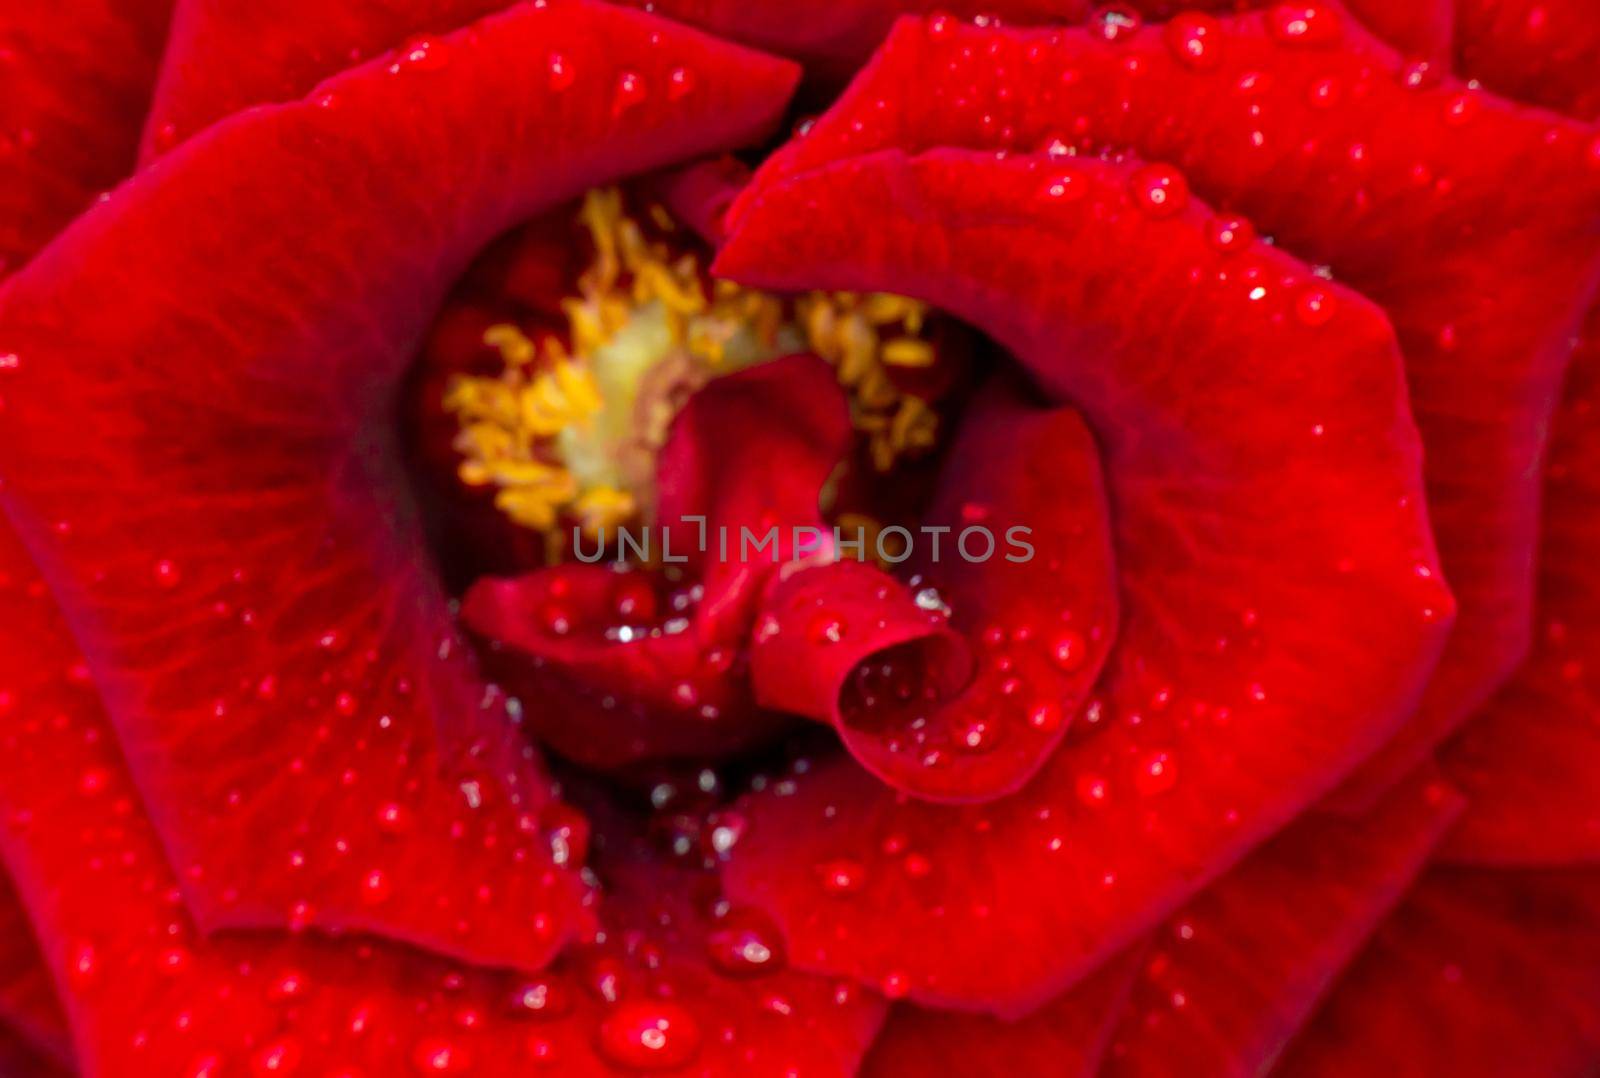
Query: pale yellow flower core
(571, 430)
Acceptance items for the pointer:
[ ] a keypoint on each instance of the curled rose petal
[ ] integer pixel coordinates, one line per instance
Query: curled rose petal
(1066, 1037)
(282, 667)
(1281, 606)
(146, 993)
(1479, 973)
(75, 78)
(1418, 195)
(1017, 545)
(614, 671)
(1238, 971)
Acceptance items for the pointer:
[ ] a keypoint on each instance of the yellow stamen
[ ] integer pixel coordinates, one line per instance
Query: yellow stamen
(569, 431)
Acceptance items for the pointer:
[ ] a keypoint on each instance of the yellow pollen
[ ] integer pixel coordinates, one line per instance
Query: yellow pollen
(569, 429)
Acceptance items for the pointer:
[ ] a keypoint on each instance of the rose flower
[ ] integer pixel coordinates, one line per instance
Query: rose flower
(731, 538)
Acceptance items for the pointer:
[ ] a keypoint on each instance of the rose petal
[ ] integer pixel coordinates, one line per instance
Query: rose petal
(75, 77)
(226, 55)
(148, 994)
(244, 568)
(750, 450)
(28, 1005)
(1530, 761)
(1280, 600)
(1478, 973)
(968, 711)
(1541, 51)
(19, 1058)
(1469, 219)
(1241, 968)
(1066, 1037)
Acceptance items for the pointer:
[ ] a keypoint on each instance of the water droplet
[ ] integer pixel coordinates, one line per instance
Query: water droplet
(1091, 790)
(436, 1056)
(279, 1056)
(1315, 306)
(842, 877)
(375, 887)
(1070, 650)
(1159, 190)
(1156, 774)
(630, 91)
(977, 734)
(560, 72)
(1114, 22)
(541, 999)
(1231, 234)
(1195, 39)
(649, 1035)
(1304, 24)
(825, 628)
(748, 945)
(680, 84)
(1046, 717)
(167, 574)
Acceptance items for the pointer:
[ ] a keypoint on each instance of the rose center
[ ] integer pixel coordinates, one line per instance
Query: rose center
(567, 433)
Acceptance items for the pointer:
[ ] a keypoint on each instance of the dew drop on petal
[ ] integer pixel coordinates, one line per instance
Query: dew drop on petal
(560, 71)
(1159, 190)
(649, 1035)
(748, 945)
(1195, 39)
(542, 998)
(1304, 24)
(1155, 774)
(1115, 22)
(842, 877)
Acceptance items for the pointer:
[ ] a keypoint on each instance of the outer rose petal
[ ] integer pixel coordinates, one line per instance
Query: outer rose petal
(991, 693)
(226, 55)
(75, 78)
(1472, 221)
(243, 566)
(148, 994)
(1530, 761)
(1240, 969)
(1281, 607)
(1066, 1037)
(750, 450)
(1478, 973)
(1543, 51)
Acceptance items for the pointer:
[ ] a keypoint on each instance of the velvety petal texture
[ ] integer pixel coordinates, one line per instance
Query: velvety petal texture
(147, 993)
(1066, 1037)
(1527, 759)
(1281, 601)
(1236, 972)
(28, 1004)
(241, 377)
(75, 79)
(1478, 973)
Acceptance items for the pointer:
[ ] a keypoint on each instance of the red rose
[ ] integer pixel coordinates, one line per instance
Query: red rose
(1077, 557)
